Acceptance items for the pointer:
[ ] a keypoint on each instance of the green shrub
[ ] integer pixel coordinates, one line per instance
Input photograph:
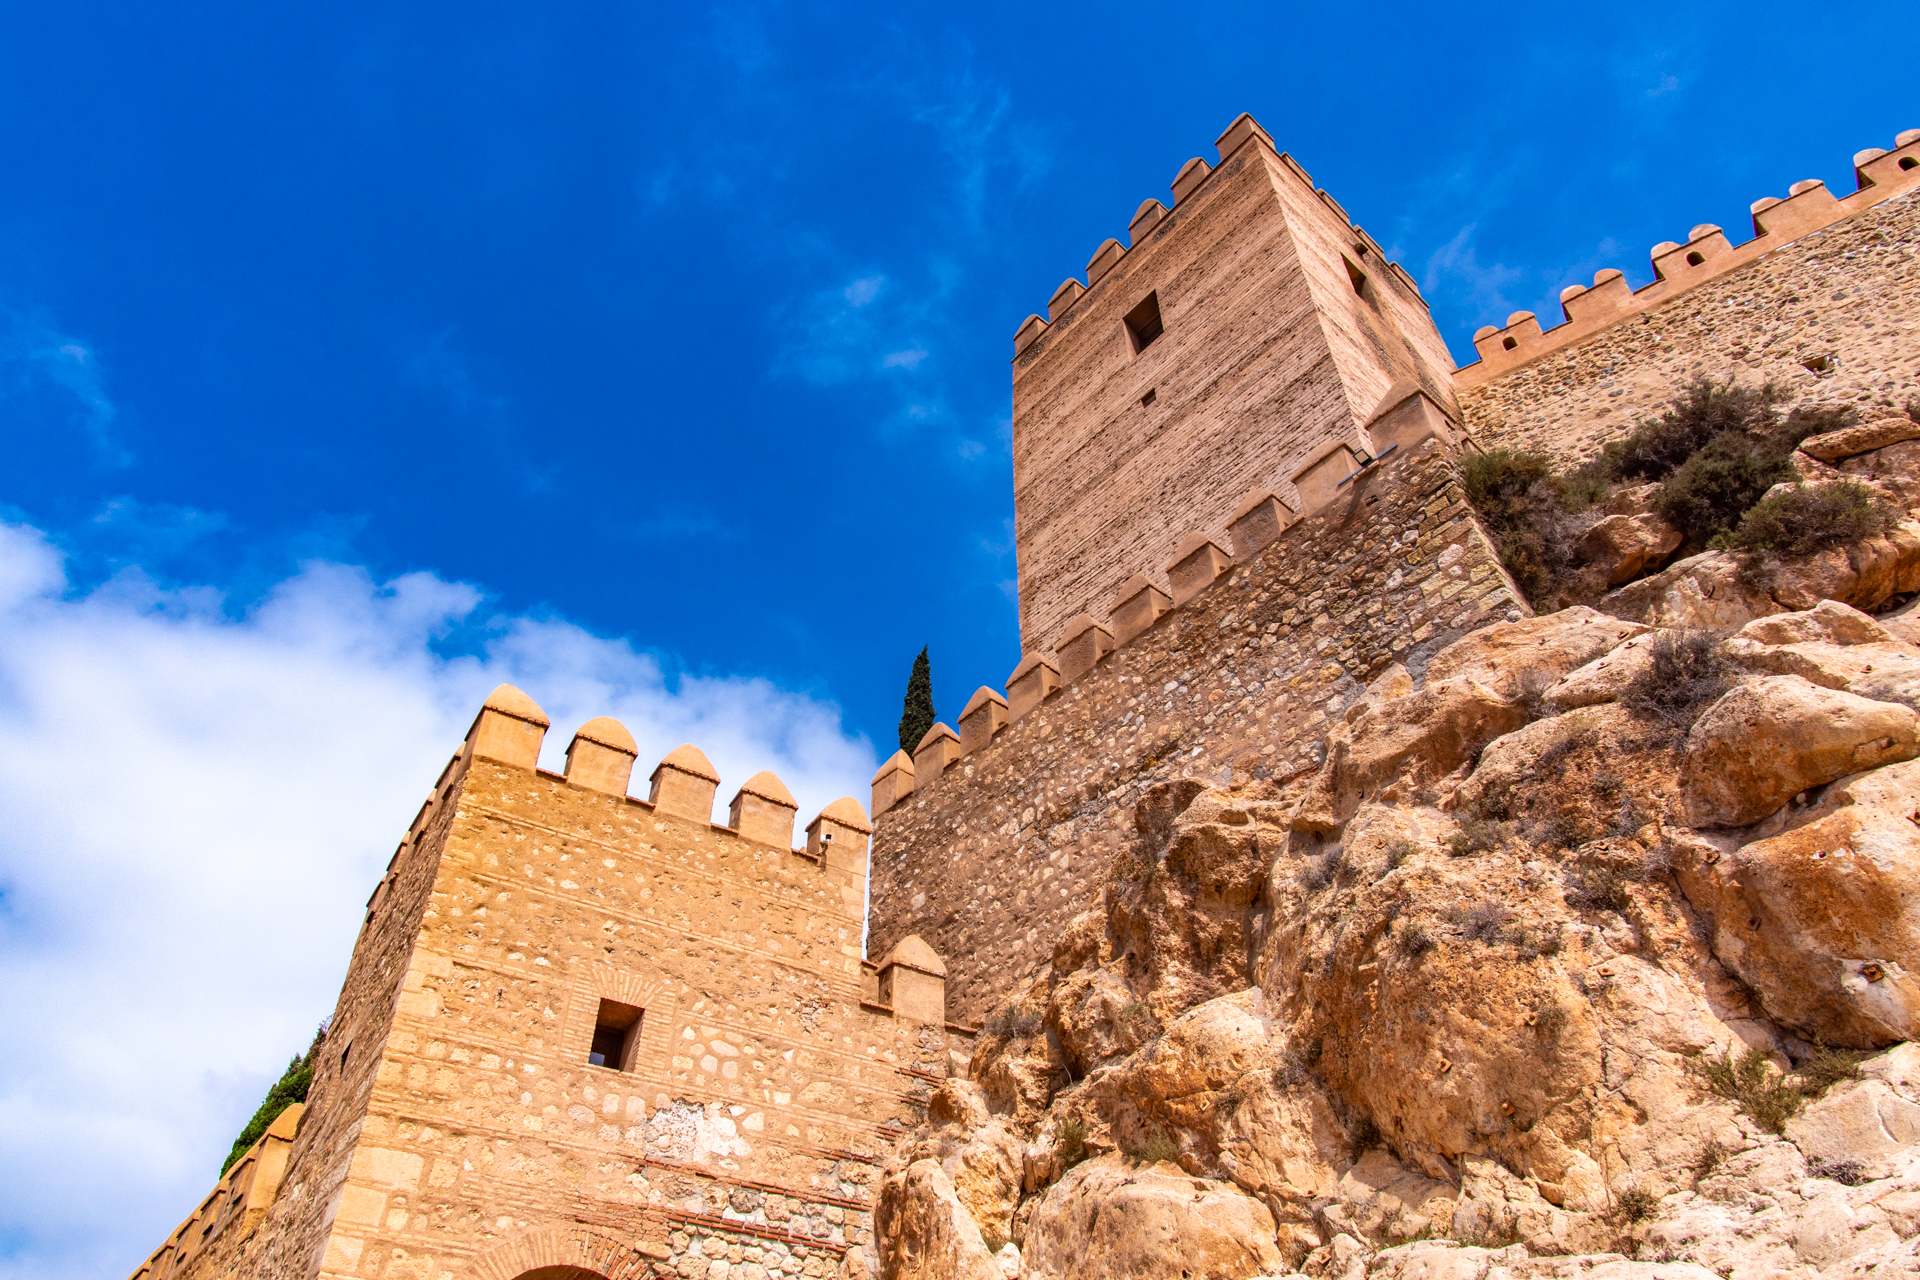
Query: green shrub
(1635, 1204)
(1152, 1146)
(1826, 1067)
(1750, 1082)
(1706, 495)
(1810, 518)
(1484, 922)
(1599, 888)
(1686, 674)
(1475, 835)
(1073, 1142)
(1412, 942)
(1704, 410)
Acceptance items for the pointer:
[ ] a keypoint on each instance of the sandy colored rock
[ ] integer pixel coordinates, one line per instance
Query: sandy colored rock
(1765, 742)
(1415, 740)
(925, 1233)
(1836, 446)
(1602, 680)
(1702, 591)
(1106, 1221)
(1517, 658)
(1894, 470)
(1620, 548)
(1863, 574)
(1823, 919)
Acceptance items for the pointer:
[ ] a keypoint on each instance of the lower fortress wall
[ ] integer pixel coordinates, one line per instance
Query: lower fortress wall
(456, 1126)
(989, 861)
(1845, 298)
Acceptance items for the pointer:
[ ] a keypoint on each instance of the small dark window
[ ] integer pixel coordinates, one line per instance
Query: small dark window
(1819, 364)
(1909, 162)
(1695, 258)
(616, 1033)
(1143, 323)
(1149, 398)
(1358, 277)
(1509, 343)
(343, 1055)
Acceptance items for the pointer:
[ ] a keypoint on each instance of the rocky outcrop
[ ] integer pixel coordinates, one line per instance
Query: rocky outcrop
(1512, 986)
(1766, 742)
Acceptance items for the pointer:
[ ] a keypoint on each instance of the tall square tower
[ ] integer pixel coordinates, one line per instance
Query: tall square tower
(1244, 343)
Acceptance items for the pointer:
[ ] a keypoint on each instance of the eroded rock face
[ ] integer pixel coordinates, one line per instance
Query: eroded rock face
(1107, 1221)
(1823, 919)
(1620, 548)
(1450, 1007)
(1768, 741)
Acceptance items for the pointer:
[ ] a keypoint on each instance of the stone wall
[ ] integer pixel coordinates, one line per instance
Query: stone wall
(469, 1135)
(1845, 299)
(989, 860)
(1272, 348)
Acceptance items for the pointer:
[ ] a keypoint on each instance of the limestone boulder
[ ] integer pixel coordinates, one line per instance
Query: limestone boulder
(924, 1232)
(1635, 500)
(1379, 1198)
(1823, 919)
(1399, 749)
(1904, 623)
(1097, 1017)
(1764, 743)
(1604, 679)
(1106, 1220)
(1518, 659)
(1886, 670)
(1706, 591)
(1827, 622)
(1620, 548)
(1864, 574)
(979, 1155)
(1177, 907)
(1894, 470)
(1837, 446)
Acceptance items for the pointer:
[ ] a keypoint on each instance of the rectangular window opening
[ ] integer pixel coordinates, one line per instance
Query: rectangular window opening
(1149, 398)
(1143, 323)
(616, 1034)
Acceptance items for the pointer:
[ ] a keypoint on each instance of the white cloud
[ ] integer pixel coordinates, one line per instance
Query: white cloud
(37, 351)
(198, 802)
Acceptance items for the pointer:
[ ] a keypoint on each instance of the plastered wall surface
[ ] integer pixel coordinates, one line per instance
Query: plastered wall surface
(479, 1140)
(1848, 294)
(1269, 350)
(990, 860)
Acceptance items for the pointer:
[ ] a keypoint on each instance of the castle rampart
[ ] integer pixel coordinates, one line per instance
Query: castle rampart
(1248, 331)
(1824, 300)
(987, 853)
(589, 1030)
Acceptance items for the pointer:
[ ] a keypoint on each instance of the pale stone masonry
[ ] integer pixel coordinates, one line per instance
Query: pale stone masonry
(1285, 328)
(752, 1069)
(586, 1035)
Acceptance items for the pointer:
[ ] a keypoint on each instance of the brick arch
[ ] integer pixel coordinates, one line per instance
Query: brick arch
(562, 1251)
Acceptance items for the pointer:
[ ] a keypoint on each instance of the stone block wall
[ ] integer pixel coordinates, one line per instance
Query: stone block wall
(991, 858)
(468, 1134)
(1832, 316)
(1285, 328)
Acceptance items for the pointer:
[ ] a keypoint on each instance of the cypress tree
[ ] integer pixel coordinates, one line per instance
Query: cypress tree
(916, 713)
(290, 1088)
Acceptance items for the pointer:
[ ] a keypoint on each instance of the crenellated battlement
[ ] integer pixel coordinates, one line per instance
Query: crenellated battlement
(1707, 254)
(1146, 601)
(1187, 183)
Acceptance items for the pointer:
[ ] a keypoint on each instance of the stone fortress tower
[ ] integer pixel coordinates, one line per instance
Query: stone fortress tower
(587, 1035)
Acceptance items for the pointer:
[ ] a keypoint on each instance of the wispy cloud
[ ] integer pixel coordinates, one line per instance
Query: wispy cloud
(36, 354)
(175, 773)
(1456, 268)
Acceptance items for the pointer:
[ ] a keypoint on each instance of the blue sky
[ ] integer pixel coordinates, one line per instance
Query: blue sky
(355, 356)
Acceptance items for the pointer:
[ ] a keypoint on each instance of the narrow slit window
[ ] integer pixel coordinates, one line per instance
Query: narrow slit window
(616, 1034)
(1143, 323)
(1147, 399)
